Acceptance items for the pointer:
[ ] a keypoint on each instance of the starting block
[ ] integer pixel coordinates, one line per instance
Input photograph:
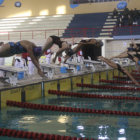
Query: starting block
(48, 69)
(12, 74)
(122, 61)
(73, 66)
(91, 64)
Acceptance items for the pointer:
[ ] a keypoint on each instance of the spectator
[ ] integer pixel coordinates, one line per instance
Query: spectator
(115, 13)
(130, 21)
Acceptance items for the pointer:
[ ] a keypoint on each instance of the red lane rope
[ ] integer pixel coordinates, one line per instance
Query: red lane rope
(35, 135)
(124, 77)
(116, 81)
(135, 71)
(86, 95)
(69, 109)
(108, 87)
(135, 74)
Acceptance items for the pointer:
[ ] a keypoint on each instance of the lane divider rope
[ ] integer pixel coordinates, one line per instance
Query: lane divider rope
(124, 77)
(108, 87)
(135, 71)
(135, 74)
(35, 136)
(68, 109)
(86, 95)
(116, 81)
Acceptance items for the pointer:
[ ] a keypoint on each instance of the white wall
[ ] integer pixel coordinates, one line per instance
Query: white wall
(115, 47)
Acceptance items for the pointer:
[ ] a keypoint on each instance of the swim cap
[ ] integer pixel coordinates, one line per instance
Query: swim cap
(100, 43)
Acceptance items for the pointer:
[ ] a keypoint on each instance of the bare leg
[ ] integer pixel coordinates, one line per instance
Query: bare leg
(122, 55)
(66, 58)
(5, 50)
(59, 52)
(131, 77)
(112, 64)
(109, 62)
(47, 45)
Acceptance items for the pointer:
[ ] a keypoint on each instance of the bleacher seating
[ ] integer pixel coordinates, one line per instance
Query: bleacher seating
(67, 26)
(86, 25)
(126, 28)
(33, 27)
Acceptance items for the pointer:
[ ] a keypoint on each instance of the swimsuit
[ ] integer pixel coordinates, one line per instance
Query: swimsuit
(120, 69)
(130, 49)
(70, 52)
(37, 51)
(130, 56)
(16, 48)
(137, 55)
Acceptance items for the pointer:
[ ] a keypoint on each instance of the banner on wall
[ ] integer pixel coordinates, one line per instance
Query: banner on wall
(122, 5)
(74, 5)
(17, 3)
(1, 2)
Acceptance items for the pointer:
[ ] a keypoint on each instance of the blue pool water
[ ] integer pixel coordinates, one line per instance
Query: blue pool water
(103, 127)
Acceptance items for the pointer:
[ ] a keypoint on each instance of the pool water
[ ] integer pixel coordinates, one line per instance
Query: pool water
(98, 126)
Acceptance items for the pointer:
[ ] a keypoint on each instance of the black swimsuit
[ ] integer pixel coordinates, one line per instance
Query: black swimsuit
(130, 56)
(16, 48)
(70, 52)
(137, 55)
(120, 69)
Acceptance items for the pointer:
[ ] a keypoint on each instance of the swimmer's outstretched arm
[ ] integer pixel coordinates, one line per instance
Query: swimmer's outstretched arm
(35, 61)
(121, 55)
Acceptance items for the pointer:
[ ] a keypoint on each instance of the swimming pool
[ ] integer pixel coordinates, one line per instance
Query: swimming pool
(98, 126)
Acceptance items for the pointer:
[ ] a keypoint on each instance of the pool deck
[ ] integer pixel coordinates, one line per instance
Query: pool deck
(34, 79)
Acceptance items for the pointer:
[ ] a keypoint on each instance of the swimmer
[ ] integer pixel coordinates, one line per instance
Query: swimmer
(24, 46)
(133, 48)
(63, 45)
(80, 45)
(121, 69)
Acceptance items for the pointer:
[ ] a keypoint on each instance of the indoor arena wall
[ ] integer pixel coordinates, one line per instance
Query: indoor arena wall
(47, 7)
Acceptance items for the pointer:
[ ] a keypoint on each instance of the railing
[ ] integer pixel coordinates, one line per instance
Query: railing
(127, 30)
(69, 33)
